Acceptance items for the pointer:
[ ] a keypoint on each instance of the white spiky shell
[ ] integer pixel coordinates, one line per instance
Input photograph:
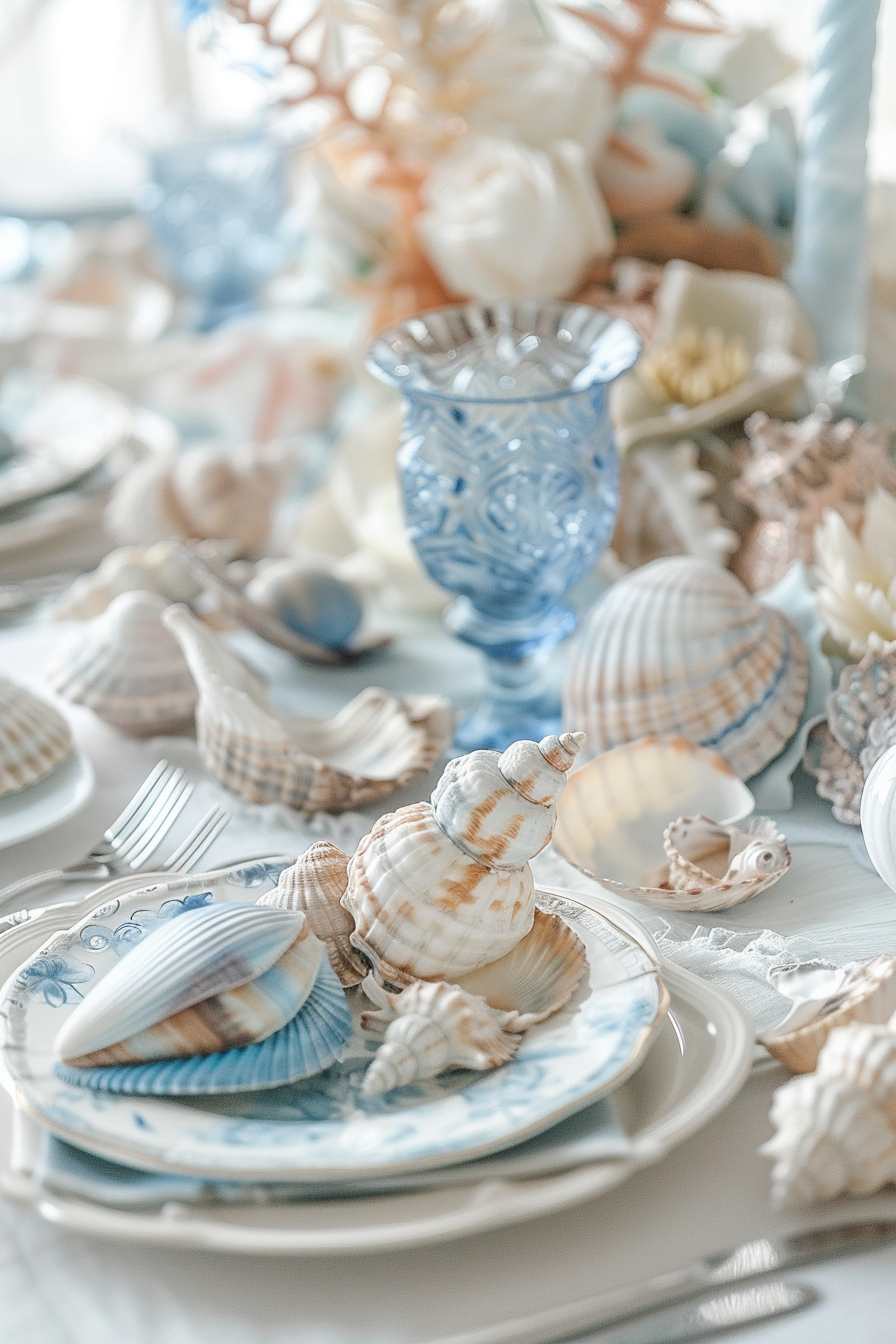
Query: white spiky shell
(679, 647)
(830, 1139)
(864, 1054)
(373, 746)
(859, 992)
(432, 1028)
(315, 884)
(34, 737)
(437, 890)
(127, 667)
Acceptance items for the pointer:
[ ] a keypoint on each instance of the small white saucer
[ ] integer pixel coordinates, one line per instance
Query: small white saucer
(48, 803)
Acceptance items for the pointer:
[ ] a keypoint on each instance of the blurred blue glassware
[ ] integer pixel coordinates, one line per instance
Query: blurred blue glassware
(214, 201)
(510, 481)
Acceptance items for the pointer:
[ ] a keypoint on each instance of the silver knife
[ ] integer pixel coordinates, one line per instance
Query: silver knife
(713, 1315)
(729, 1267)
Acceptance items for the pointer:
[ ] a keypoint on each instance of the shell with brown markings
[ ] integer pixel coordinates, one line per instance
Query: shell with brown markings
(315, 885)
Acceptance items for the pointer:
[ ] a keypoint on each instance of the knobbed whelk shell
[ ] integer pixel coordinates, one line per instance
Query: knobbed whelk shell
(433, 1027)
(315, 884)
(127, 668)
(34, 737)
(371, 747)
(863, 1054)
(826, 998)
(680, 647)
(440, 889)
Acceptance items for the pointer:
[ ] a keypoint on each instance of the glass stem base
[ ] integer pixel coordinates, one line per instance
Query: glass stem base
(518, 702)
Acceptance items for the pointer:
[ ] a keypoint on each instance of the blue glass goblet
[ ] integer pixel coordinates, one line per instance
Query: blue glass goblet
(510, 481)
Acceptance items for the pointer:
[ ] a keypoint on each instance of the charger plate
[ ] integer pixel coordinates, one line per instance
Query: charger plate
(323, 1129)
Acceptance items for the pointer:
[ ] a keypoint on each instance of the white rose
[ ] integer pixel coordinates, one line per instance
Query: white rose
(504, 220)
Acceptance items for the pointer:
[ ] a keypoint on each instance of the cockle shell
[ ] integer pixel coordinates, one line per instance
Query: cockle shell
(34, 737)
(830, 1139)
(826, 998)
(680, 648)
(127, 667)
(374, 745)
(439, 889)
(315, 884)
(433, 1027)
(864, 1054)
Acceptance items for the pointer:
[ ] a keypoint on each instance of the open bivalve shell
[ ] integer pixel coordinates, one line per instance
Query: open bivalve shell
(679, 647)
(373, 746)
(219, 999)
(614, 814)
(824, 998)
(126, 667)
(34, 737)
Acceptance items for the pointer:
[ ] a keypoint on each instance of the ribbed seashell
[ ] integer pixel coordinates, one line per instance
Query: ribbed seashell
(536, 978)
(309, 1043)
(373, 746)
(613, 817)
(825, 998)
(712, 867)
(34, 737)
(680, 647)
(127, 667)
(439, 889)
(863, 1054)
(315, 884)
(830, 1139)
(189, 959)
(432, 1028)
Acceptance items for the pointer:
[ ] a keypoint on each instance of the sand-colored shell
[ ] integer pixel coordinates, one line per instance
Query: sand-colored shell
(127, 667)
(373, 746)
(680, 648)
(536, 978)
(439, 889)
(712, 867)
(160, 568)
(34, 737)
(315, 884)
(613, 815)
(863, 1054)
(830, 1139)
(433, 1027)
(826, 998)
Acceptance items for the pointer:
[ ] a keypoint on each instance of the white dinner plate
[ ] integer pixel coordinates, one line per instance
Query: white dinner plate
(698, 1063)
(324, 1129)
(48, 803)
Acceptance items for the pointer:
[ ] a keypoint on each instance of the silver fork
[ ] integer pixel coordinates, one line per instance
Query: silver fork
(136, 834)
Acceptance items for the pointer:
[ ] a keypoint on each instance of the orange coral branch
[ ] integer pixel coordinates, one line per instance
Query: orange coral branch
(632, 43)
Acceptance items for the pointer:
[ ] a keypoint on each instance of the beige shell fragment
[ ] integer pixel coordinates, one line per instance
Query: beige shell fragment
(858, 992)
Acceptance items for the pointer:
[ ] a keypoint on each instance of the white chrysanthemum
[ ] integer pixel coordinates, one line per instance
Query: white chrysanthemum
(858, 597)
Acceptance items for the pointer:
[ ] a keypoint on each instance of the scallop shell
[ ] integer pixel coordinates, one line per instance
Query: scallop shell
(680, 647)
(34, 737)
(432, 1028)
(373, 746)
(536, 978)
(127, 668)
(826, 998)
(315, 884)
(613, 816)
(439, 889)
(830, 1139)
(863, 1054)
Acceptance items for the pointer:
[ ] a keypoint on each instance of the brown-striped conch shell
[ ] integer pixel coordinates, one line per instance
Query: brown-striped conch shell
(377, 743)
(433, 1027)
(34, 737)
(439, 889)
(315, 885)
(824, 998)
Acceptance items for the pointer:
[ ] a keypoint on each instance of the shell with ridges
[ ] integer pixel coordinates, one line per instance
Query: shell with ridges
(857, 992)
(374, 745)
(433, 1027)
(34, 737)
(877, 816)
(536, 978)
(680, 647)
(126, 667)
(863, 1054)
(315, 884)
(714, 866)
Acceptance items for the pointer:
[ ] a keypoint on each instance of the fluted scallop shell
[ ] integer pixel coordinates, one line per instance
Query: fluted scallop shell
(614, 812)
(830, 1139)
(433, 1027)
(200, 954)
(863, 1054)
(127, 667)
(309, 1043)
(536, 978)
(826, 998)
(680, 647)
(34, 737)
(373, 746)
(315, 884)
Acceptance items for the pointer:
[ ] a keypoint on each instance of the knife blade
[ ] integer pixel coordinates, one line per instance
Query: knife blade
(753, 1258)
(713, 1315)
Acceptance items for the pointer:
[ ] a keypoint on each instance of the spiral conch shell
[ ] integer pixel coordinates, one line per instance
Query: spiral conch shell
(433, 1027)
(439, 889)
(315, 885)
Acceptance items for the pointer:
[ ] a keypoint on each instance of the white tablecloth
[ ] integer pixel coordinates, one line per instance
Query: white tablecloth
(60, 1288)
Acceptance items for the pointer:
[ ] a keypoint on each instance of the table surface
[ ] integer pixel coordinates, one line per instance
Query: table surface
(57, 1287)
